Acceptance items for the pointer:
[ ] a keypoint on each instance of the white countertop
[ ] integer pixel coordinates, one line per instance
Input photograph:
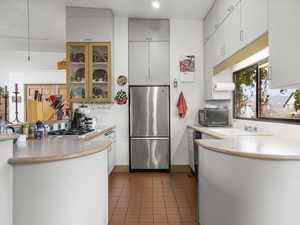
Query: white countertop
(6, 137)
(55, 148)
(258, 145)
(225, 132)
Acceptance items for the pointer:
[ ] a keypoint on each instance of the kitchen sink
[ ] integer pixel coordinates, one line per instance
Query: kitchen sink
(234, 132)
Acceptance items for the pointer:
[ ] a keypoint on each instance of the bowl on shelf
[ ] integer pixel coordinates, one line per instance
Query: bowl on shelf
(100, 75)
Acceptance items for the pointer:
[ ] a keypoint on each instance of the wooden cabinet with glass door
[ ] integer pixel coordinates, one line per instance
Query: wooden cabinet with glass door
(89, 72)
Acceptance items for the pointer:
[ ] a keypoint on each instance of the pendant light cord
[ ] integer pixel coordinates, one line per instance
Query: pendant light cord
(28, 30)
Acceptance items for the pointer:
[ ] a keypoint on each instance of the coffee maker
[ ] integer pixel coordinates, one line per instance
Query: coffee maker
(78, 120)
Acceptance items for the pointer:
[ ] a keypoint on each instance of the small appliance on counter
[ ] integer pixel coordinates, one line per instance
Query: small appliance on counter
(80, 125)
(214, 117)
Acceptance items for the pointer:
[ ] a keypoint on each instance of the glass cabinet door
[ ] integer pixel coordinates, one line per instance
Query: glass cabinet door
(100, 72)
(77, 71)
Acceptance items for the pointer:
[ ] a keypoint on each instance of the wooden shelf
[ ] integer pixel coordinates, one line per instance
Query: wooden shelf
(77, 63)
(100, 82)
(78, 82)
(100, 63)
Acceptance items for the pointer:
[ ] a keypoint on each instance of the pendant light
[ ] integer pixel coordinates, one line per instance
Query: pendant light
(28, 29)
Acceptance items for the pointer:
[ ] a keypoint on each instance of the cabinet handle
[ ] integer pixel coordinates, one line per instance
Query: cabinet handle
(149, 64)
(241, 35)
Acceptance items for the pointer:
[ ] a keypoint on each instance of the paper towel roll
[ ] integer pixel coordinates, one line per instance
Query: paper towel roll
(224, 86)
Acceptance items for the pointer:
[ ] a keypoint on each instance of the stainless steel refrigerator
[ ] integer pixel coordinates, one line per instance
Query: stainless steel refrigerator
(149, 128)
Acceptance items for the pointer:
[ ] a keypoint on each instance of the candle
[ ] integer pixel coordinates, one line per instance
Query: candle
(16, 87)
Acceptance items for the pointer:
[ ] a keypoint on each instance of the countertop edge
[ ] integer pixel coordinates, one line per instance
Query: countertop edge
(245, 154)
(8, 137)
(205, 132)
(34, 160)
(98, 133)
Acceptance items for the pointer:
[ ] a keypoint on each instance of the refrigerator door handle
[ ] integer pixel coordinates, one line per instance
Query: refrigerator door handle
(149, 138)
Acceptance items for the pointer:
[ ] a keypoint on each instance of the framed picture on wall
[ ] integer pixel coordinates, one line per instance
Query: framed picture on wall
(187, 68)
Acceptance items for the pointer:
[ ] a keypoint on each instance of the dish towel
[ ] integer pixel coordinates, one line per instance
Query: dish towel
(181, 105)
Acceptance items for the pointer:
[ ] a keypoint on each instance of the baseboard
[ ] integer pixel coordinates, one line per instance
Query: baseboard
(121, 169)
(180, 169)
(174, 169)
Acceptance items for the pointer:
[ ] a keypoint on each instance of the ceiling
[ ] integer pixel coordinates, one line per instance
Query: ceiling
(179, 9)
(48, 18)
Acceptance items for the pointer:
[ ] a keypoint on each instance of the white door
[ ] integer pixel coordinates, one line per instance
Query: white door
(159, 53)
(139, 63)
(284, 43)
(254, 19)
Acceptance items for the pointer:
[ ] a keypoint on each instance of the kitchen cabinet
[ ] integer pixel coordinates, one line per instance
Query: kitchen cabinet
(284, 36)
(89, 73)
(138, 63)
(159, 63)
(227, 38)
(208, 70)
(149, 29)
(111, 136)
(254, 20)
(89, 25)
(149, 63)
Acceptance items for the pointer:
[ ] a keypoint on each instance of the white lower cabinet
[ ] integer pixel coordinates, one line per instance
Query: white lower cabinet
(284, 36)
(111, 136)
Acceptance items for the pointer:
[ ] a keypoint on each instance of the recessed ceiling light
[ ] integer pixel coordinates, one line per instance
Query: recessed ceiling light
(156, 4)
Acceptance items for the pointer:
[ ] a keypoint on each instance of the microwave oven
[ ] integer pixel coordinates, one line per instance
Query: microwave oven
(214, 117)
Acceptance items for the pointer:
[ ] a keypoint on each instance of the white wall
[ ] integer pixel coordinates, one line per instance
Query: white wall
(186, 38)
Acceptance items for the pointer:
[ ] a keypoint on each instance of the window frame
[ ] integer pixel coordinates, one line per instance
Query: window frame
(258, 99)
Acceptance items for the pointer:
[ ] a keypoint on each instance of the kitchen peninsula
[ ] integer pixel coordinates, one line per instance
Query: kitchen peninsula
(249, 180)
(6, 178)
(65, 179)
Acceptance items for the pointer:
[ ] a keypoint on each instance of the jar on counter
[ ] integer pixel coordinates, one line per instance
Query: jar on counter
(25, 129)
(40, 128)
(31, 132)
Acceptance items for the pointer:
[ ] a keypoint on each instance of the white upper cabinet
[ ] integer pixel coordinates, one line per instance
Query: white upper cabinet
(89, 25)
(139, 63)
(149, 30)
(284, 43)
(149, 52)
(254, 19)
(149, 63)
(159, 63)
(228, 36)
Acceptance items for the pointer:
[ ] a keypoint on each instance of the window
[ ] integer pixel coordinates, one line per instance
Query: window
(254, 99)
(246, 93)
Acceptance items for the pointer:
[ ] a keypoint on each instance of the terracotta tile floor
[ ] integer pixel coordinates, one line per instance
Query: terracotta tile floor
(152, 199)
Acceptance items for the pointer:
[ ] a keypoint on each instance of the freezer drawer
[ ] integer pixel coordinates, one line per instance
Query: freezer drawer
(149, 111)
(149, 153)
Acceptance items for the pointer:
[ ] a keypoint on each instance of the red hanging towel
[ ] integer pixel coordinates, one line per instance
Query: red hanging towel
(181, 105)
